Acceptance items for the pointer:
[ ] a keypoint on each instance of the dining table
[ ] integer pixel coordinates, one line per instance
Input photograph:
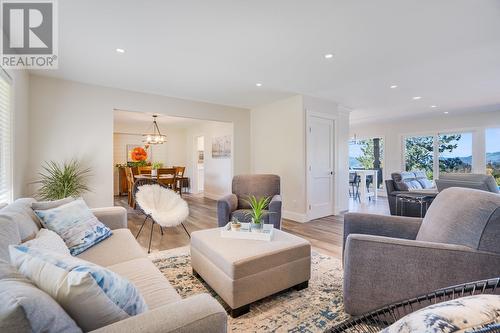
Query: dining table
(183, 181)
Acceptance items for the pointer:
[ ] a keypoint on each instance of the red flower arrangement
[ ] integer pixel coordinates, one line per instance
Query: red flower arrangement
(139, 154)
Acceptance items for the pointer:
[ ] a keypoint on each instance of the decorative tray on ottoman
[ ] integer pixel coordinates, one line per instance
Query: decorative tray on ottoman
(245, 232)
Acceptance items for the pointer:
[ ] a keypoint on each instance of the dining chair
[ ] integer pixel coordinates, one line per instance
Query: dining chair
(167, 177)
(354, 180)
(180, 178)
(144, 170)
(130, 184)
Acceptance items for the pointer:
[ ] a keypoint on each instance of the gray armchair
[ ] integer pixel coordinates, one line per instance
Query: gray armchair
(467, 180)
(235, 205)
(392, 258)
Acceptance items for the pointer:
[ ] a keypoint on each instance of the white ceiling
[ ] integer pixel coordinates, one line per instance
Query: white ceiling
(447, 51)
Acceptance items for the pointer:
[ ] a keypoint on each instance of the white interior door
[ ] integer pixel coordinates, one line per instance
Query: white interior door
(320, 149)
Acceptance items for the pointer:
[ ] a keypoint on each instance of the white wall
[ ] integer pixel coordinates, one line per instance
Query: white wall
(218, 172)
(279, 147)
(393, 132)
(75, 120)
(21, 131)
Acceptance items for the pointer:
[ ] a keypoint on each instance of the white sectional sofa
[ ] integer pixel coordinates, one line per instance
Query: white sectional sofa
(168, 312)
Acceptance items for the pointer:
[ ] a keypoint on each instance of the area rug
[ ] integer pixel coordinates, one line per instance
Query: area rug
(314, 309)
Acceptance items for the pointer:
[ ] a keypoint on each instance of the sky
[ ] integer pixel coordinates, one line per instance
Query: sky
(492, 140)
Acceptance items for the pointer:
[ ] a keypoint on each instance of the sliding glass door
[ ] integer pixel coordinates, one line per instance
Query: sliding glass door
(493, 153)
(367, 154)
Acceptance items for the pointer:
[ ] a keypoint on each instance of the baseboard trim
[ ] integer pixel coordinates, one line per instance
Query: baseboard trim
(297, 217)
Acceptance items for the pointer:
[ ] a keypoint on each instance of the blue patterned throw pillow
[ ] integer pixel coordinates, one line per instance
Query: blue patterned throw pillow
(92, 295)
(76, 225)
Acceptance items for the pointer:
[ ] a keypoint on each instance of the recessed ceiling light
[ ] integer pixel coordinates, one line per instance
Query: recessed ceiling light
(394, 86)
(258, 84)
(446, 112)
(433, 106)
(328, 56)
(417, 97)
(120, 50)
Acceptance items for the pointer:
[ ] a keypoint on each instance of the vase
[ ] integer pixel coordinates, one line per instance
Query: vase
(256, 227)
(154, 172)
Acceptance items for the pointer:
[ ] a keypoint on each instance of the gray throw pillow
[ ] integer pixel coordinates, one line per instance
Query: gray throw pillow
(401, 186)
(25, 308)
(20, 211)
(426, 183)
(9, 235)
(44, 205)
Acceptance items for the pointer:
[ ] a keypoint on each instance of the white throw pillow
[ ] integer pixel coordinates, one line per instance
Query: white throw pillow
(76, 224)
(92, 295)
(48, 240)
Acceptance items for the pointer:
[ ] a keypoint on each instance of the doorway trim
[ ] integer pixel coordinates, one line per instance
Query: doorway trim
(334, 118)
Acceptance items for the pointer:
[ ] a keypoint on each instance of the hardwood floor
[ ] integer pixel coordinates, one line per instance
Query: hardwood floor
(325, 234)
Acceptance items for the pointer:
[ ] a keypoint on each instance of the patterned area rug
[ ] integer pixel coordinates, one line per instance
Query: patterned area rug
(310, 310)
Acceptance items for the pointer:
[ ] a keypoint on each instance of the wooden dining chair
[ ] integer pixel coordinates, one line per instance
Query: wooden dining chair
(168, 177)
(144, 170)
(180, 178)
(130, 184)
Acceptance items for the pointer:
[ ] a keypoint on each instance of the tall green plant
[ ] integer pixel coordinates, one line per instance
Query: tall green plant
(258, 207)
(58, 181)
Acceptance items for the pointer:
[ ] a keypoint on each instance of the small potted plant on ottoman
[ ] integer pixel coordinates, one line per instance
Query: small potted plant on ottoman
(258, 211)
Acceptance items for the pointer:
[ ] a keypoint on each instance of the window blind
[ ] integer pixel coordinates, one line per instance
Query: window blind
(5, 138)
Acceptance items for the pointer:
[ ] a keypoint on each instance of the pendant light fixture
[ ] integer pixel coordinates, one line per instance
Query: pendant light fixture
(155, 137)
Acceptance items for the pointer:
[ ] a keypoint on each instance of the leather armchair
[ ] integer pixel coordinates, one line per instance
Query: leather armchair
(235, 205)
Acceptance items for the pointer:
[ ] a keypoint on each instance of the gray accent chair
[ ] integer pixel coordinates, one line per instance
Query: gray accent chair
(392, 258)
(468, 180)
(235, 205)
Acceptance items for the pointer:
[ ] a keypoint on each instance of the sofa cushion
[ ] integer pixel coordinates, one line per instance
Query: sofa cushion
(421, 177)
(9, 235)
(76, 224)
(120, 247)
(48, 240)
(151, 283)
(92, 295)
(43, 205)
(25, 308)
(459, 216)
(460, 315)
(21, 212)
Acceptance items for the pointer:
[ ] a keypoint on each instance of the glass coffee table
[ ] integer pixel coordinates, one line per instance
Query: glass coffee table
(422, 199)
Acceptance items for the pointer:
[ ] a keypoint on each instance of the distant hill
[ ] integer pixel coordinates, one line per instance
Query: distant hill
(490, 157)
(354, 163)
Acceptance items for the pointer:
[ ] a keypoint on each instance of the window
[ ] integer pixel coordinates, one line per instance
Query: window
(5, 139)
(419, 154)
(455, 153)
(367, 154)
(493, 153)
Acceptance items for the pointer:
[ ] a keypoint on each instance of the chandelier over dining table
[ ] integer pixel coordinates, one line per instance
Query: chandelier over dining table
(155, 137)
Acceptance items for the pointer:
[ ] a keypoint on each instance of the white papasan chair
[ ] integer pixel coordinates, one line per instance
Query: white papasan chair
(160, 204)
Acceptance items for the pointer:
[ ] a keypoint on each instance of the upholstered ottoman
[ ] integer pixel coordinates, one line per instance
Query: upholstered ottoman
(243, 271)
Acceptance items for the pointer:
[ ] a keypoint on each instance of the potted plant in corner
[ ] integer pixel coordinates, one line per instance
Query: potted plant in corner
(155, 167)
(61, 180)
(258, 211)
